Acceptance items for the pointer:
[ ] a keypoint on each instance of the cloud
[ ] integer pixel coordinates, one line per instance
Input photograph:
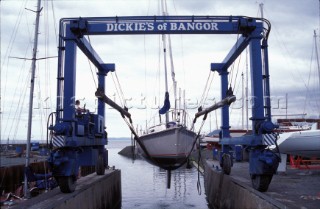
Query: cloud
(137, 57)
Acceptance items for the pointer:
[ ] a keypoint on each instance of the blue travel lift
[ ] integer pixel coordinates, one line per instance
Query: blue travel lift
(80, 140)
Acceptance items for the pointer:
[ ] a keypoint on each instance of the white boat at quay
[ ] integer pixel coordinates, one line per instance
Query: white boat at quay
(301, 143)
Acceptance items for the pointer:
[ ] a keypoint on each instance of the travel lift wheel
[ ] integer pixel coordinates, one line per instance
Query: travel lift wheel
(100, 168)
(261, 182)
(226, 164)
(67, 184)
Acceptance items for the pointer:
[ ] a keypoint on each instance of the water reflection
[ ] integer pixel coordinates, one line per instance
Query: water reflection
(144, 185)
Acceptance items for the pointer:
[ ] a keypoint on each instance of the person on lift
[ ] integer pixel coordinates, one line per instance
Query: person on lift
(79, 110)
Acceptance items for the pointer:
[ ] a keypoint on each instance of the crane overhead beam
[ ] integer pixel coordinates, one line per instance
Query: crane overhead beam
(233, 54)
(162, 25)
(93, 56)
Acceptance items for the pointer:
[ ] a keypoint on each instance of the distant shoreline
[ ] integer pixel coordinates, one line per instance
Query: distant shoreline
(20, 141)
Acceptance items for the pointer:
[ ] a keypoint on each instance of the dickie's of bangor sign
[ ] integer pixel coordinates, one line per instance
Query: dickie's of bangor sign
(162, 26)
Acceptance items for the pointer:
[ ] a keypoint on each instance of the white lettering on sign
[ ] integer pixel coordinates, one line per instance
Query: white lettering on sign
(193, 26)
(130, 26)
(165, 26)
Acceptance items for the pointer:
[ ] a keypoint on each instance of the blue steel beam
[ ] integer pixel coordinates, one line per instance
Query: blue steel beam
(253, 40)
(162, 25)
(222, 69)
(93, 56)
(266, 80)
(256, 83)
(101, 86)
(235, 51)
(69, 67)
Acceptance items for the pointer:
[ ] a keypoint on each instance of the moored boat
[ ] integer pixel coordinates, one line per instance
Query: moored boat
(301, 143)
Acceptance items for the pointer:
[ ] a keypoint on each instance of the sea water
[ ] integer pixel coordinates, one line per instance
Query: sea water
(145, 186)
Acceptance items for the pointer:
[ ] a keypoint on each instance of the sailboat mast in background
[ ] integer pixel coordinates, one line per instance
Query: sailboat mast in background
(317, 56)
(32, 79)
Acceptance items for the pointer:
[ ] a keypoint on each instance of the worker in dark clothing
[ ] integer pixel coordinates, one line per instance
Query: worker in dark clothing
(79, 109)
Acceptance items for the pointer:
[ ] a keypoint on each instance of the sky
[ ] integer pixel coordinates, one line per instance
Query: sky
(294, 75)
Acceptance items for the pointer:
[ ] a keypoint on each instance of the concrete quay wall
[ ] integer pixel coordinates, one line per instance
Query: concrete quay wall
(92, 192)
(224, 191)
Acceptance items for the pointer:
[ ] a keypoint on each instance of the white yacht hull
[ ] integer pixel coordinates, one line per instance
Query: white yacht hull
(168, 148)
(301, 143)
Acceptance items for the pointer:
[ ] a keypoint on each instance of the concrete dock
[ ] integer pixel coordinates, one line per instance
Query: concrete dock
(92, 192)
(292, 189)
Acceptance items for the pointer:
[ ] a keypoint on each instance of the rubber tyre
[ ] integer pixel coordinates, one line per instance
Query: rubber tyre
(226, 164)
(100, 168)
(67, 184)
(261, 182)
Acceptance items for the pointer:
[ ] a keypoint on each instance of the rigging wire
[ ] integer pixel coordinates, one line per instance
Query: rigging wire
(20, 109)
(0, 80)
(239, 60)
(307, 92)
(117, 89)
(19, 92)
(120, 89)
(47, 45)
(24, 83)
(236, 82)
(233, 66)
(158, 77)
(115, 79)
(288, 52)
(40, 106)
(6, 55)
(314, 50)
(206, 88)
(41, 110)
(54, 23)
(145, 69)
(14, 32)
(93, 77)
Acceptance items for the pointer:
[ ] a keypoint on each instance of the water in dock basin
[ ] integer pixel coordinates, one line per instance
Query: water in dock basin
(144, 185)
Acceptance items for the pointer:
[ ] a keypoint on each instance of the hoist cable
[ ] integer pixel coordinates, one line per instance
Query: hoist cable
(199, 157)
(208, 89)
(199, 153)
(202, 100)
(120, 89)
(239, 60)
(121, 100)
(93, 77)
(232, 66)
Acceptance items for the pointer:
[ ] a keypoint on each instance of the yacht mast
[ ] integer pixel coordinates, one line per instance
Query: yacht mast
(173, 75)
(165, 13)
(317, 56)
(165, 59)
(33, 69)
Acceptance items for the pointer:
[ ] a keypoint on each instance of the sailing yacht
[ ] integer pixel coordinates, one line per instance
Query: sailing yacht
(304, 143)
(169, 143)
(300, 143)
